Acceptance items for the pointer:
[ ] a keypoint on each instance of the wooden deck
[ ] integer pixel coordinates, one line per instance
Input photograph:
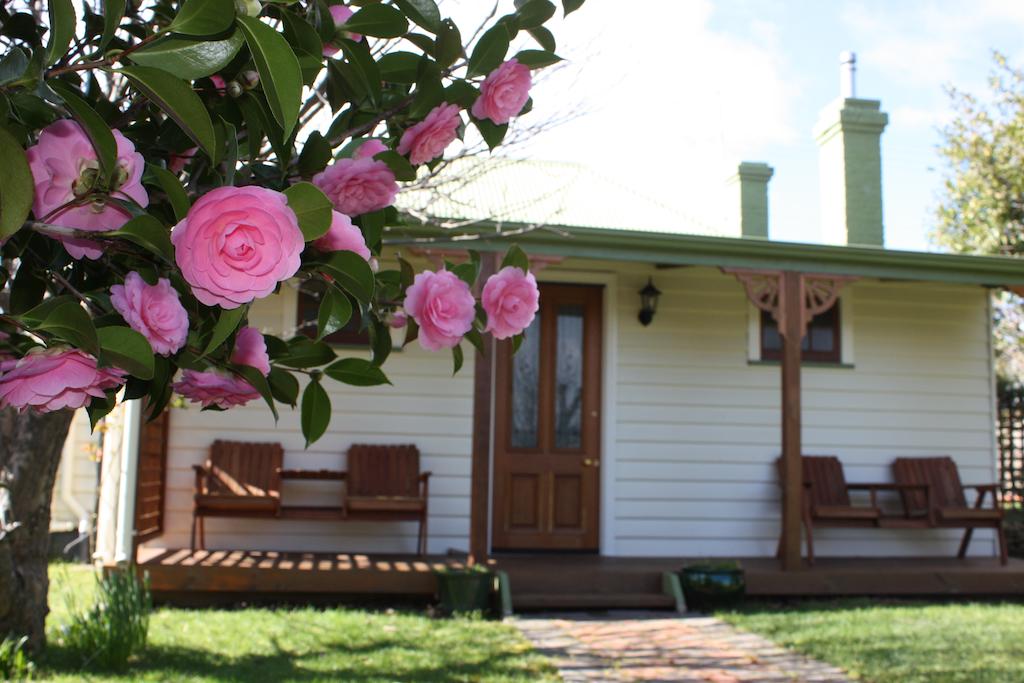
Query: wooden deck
(556, 581)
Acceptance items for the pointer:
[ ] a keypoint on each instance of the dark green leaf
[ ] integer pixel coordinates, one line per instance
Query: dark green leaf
(95, 127)
(335, 312)
(160, 390)
(399, 66)
(379, 21)
(283, 386)
(490, 51)
(362, 74)
(62, 29)
(351, 272)
(422, 41)
(15, 186)
(492, 133)
(466, 272)
(312, 208)
(99, 408)
(569, 6)
(148, 233)
(517, 258)
(536, 59)
(230, 161)
(533, 13)
(70, 322)
(27, 289)
(380, 342)
(423, 13)
(457, 359)
(398, 164)
(255, 378)
(316, 154)
(372, 226)
(304, 353)
(177, 99)
(13, 65)
(126, 349)
(429, 90)
(204, 17)
(448, 45)
(543, 37)
(38, 314)
(301, 34)
(461, 93)
(189, 58)
(227, 323)
(279, 71)
(113, 11)
(169, 183)
(476, 339)
(356, 371)
(316, 411)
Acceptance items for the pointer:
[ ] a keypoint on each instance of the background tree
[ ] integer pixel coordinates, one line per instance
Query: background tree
(121, 119)
(982, 211)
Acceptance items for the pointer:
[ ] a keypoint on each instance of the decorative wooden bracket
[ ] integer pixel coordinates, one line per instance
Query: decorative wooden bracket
(818, 292)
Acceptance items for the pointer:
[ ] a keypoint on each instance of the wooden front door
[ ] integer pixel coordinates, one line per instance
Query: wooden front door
(547, 437)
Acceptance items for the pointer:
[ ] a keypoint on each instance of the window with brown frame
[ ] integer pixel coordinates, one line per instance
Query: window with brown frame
(820, 345)
(353, 334)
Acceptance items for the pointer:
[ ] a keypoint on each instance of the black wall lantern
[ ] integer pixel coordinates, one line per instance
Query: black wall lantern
(648, 302)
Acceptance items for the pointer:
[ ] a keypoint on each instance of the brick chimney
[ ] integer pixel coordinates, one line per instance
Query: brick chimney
(848, 133)
(748, 190)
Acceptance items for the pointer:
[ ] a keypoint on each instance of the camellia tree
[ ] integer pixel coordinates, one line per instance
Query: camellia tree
(152, 189)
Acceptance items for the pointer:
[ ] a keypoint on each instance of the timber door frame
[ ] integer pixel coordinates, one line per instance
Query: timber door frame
(551, 460)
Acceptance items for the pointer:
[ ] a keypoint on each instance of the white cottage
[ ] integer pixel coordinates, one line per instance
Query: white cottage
(607, 449)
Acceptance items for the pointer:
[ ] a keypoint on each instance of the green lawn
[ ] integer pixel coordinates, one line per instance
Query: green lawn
(899, 642)
(301, 645)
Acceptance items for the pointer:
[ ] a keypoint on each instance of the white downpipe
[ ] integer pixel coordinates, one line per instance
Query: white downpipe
(129, 474)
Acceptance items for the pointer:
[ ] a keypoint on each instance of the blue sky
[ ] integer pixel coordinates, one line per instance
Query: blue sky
(677, 92)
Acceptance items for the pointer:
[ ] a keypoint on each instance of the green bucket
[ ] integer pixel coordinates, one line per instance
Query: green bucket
(461, 590)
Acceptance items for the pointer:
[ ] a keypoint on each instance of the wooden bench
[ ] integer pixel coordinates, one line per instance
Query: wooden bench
(943, 503)
(243, 479)
(239, 479)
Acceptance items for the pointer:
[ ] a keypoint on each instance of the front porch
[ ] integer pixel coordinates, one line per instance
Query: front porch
(554, 581)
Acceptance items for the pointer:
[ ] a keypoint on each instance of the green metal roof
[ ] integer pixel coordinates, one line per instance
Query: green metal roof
(675, 249)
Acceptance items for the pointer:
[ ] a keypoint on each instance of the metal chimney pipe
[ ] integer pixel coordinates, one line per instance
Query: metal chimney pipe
(848, 74)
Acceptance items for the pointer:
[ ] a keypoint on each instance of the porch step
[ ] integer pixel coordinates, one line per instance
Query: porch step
(545, 601)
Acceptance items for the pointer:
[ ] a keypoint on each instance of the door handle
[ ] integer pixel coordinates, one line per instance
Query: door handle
(590, 462)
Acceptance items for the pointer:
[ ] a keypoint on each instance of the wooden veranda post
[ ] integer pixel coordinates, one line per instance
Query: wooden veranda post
(791, 327)
(793, 299)
(480, 475)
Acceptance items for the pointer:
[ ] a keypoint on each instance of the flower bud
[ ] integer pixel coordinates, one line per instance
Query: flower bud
(248, 79)
(234, 89)
(250, 8)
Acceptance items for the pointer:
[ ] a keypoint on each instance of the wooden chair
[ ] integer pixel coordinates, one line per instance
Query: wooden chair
(239, 479)
(826, 499)
(944, 504)
(385, 483)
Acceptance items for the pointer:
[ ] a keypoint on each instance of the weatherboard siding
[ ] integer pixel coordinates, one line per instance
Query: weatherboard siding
(695, 426)
(78, 462)
(698, 426)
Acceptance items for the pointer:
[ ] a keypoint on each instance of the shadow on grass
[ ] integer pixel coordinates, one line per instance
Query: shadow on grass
(330, 661)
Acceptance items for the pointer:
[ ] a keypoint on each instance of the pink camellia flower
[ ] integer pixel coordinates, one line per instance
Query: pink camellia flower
(340, 14)
(427, 139)
(236, 244)
(154, 311)
(442, 306)
(503, 93)
(54, 379)
(343, 236)
(212, 388)
(358, 186)
(218, 82)
(178, 160)
(251, 350)
(65, 167)
(370, 148)
(511, 299)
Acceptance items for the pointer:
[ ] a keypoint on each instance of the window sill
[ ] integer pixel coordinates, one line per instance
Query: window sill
(806, 364)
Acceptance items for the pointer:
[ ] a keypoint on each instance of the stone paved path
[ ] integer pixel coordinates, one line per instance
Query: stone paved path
(649, 647)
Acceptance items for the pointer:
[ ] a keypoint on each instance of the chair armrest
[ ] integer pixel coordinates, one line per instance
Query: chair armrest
(982, 487)
(199, 469)
(887, 487)
(424, 476)
(202, 472)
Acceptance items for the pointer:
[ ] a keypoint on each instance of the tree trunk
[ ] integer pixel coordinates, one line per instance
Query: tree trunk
(30, 448)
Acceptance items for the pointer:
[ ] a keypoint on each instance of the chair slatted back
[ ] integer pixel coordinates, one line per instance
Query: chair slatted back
(939, 472)
(825, 475)
(243, 468)
(383, 470)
